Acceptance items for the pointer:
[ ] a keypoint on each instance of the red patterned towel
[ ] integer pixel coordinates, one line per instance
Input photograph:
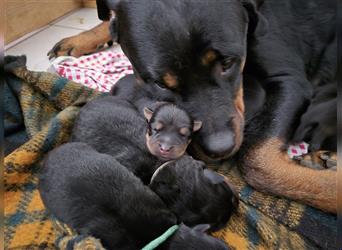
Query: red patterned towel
(99, 71)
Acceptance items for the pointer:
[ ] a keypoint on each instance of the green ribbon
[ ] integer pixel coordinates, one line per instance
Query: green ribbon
(156, 242)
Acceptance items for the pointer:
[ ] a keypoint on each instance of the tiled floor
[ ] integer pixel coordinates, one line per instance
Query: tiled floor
(36, 46)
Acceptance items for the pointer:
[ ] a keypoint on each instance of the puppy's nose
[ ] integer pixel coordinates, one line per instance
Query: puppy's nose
(165, 147)
(219, 145)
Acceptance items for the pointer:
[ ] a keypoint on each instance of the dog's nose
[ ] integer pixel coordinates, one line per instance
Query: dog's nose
(165, 147)
(219, 145)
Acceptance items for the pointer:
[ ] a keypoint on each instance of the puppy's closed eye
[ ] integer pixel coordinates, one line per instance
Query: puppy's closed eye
(159, 126)
(184, 131)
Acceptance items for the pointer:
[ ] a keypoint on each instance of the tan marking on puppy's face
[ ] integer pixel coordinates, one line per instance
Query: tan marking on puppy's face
(184, 131)
(209, 57)
(170, 80)
(176, 152)
(159, 126)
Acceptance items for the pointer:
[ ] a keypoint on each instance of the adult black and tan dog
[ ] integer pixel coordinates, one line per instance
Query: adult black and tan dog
(200, 51)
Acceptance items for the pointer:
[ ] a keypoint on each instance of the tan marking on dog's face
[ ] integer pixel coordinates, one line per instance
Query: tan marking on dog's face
(170, 80)
(242, 65)
(238, 118)
(238, 102)
(209, 57)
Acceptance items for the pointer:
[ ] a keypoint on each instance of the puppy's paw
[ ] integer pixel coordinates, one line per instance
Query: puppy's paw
(318, 160)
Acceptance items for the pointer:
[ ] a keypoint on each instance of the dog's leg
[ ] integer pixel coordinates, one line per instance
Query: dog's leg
(268, 168)
(264, 160)
(83, 43)
(265, 164)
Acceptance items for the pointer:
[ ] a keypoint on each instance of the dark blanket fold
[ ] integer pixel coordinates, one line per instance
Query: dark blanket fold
(39, 112)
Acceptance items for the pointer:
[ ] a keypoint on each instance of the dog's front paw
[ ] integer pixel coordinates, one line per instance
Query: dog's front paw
(76, 46)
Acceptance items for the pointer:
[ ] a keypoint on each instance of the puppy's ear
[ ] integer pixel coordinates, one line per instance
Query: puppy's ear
(257, 22)
(148, 113)
(197, 126)
(202, 228)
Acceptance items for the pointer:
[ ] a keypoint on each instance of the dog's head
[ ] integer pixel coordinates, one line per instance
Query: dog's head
(196, 49)
(195, 194)
(170, 130)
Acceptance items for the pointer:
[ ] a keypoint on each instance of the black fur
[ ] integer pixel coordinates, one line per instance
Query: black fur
(113, 126)
(291, 49)
(318, 125)
(195, 194)
(95, 195)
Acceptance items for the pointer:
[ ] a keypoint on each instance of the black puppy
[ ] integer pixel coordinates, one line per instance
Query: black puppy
(113, 126)
(195, 194)
(318, 125)
(95, 195)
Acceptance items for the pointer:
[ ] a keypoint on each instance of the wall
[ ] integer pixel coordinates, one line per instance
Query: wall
(24, 16)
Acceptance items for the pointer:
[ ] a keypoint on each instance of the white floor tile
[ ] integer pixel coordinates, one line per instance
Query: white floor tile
(37, 46)
(84, 19)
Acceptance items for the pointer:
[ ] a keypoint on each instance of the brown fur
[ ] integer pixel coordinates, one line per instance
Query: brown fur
(238, 119)
(83, 43)
(268, 169)
(170, 80)
(176, 153)
(239, 104)
(209, 57)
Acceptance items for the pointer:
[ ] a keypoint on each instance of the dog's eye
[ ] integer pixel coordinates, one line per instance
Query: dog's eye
(227, 63)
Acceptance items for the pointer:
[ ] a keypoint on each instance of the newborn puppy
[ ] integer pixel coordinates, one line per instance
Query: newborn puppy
(195, 194)
(169, 131)
(318, 125)
(113, 126)
(95, 195)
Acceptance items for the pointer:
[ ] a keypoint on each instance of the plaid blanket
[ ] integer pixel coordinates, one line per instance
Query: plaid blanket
(39, 115)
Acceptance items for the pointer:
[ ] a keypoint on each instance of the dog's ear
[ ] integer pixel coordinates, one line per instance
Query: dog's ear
(104, 7)
(257, 23)
(148, 113)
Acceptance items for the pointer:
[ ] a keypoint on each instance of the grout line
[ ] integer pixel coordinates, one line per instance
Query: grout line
(64, 16)
(25, 37)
